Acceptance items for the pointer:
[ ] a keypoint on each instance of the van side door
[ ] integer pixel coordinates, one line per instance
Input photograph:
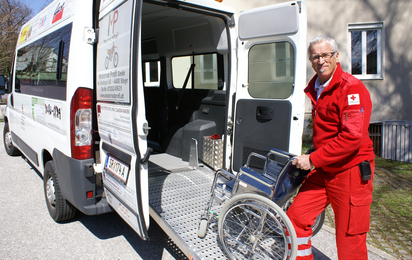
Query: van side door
(269, 102)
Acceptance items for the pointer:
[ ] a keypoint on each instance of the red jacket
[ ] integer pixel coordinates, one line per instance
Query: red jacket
(340, 123)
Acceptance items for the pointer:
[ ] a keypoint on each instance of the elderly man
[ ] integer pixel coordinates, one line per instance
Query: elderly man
(343, 159)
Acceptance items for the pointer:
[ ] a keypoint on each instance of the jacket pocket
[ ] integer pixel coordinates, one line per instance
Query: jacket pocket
(353, 122)
(359, 218)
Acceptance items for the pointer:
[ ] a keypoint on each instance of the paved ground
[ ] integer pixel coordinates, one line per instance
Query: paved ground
(28, 232)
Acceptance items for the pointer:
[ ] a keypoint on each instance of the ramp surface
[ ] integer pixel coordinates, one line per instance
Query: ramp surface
(177, 201)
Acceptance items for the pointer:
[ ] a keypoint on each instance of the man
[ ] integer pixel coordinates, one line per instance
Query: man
(341, 109)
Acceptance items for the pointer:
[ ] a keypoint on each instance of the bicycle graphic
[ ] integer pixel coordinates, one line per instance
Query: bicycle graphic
(112, 56)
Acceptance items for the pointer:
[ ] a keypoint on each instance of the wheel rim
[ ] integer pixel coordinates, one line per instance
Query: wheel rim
(7, 140)
(50, 192)
(253, 231)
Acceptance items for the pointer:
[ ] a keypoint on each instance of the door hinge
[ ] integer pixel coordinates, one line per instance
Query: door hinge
(229, 129)
(300, 6)
(90, 35)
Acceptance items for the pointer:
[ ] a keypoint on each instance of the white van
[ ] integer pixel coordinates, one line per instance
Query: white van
(110, 99)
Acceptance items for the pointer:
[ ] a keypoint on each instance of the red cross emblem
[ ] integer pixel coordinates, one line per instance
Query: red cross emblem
(353, 99)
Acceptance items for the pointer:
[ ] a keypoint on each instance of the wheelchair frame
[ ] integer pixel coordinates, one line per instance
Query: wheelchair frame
(252, 222)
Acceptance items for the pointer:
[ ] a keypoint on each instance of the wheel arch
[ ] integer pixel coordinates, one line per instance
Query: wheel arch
(46, 155)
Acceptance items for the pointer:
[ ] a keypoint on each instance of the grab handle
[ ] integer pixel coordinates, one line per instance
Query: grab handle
(264, 113)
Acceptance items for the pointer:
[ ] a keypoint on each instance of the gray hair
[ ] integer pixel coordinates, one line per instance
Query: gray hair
(322, 38)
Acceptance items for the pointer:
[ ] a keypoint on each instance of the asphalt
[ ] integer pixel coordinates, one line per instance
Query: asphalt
(28, 232)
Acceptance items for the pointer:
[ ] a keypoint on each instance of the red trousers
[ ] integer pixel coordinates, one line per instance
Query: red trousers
(350, 198)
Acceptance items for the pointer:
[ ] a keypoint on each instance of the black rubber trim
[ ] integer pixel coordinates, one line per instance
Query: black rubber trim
(25, 148)
(135, 82)
(124, 157)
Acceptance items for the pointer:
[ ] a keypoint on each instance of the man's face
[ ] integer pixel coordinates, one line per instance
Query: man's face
(323, 60)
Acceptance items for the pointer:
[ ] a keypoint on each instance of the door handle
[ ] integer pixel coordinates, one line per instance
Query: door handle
(146, 157)
(264, 113)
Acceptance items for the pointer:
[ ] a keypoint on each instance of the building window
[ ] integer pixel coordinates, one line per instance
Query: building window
(365, 43)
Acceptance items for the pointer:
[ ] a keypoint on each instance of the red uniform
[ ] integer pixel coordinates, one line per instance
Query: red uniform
(341, 117)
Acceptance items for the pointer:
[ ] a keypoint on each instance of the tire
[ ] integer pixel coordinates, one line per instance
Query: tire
(8, 143)
(318, 223)
(201, 233)
(106, 62)
(115, 59)
(254, 227)
(59, 208)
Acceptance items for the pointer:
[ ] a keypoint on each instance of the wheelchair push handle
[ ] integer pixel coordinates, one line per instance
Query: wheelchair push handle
(281, 153)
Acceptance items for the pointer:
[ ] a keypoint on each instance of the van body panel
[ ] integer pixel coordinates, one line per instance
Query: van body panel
(38, 111)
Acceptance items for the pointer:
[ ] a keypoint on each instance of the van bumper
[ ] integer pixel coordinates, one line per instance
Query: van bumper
(76, 178)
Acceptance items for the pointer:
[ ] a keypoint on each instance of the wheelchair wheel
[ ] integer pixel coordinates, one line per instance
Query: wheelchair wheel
(254, 227)
(320, 219)
(317, 226)
(201, 233)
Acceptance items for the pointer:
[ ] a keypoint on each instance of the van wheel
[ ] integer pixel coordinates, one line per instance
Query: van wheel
(8, 144)
(59, 208)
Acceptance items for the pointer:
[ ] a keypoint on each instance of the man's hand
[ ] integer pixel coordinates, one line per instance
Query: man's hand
(303, 162)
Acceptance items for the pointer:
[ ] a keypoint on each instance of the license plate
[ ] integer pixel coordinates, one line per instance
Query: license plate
(118, 168)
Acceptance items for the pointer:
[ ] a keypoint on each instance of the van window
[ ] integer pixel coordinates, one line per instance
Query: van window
(271, 70)
(151, 74)
(42, 65)
(205, 72)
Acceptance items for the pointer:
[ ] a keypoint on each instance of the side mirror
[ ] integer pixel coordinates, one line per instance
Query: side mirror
(2, 85)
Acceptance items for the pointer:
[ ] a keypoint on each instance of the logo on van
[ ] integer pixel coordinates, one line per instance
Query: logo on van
(112, 21)
(42, 20)
(25, 32)
(58, 13)
(55, 111)
(112, 55)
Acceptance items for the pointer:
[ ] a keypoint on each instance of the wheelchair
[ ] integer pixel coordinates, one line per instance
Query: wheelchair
(251, 206)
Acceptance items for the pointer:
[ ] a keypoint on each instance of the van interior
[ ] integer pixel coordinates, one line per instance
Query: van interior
(184, 55)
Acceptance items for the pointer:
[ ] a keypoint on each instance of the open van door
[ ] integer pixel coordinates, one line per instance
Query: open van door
(269, 102)
(121, 113)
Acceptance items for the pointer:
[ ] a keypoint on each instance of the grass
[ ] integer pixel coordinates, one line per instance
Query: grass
(394, 190)
(391, 211)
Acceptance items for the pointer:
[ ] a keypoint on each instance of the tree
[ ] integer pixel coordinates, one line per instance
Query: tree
(13, 15)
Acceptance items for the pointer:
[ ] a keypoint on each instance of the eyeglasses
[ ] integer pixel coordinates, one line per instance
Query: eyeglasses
(325, 56)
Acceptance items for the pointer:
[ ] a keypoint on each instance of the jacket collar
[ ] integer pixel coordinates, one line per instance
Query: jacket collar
(336, 79)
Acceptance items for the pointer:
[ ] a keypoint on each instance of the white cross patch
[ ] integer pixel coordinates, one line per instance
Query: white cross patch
(353, 99)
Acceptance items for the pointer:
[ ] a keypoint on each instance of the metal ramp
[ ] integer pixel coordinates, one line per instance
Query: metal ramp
(177, 201)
